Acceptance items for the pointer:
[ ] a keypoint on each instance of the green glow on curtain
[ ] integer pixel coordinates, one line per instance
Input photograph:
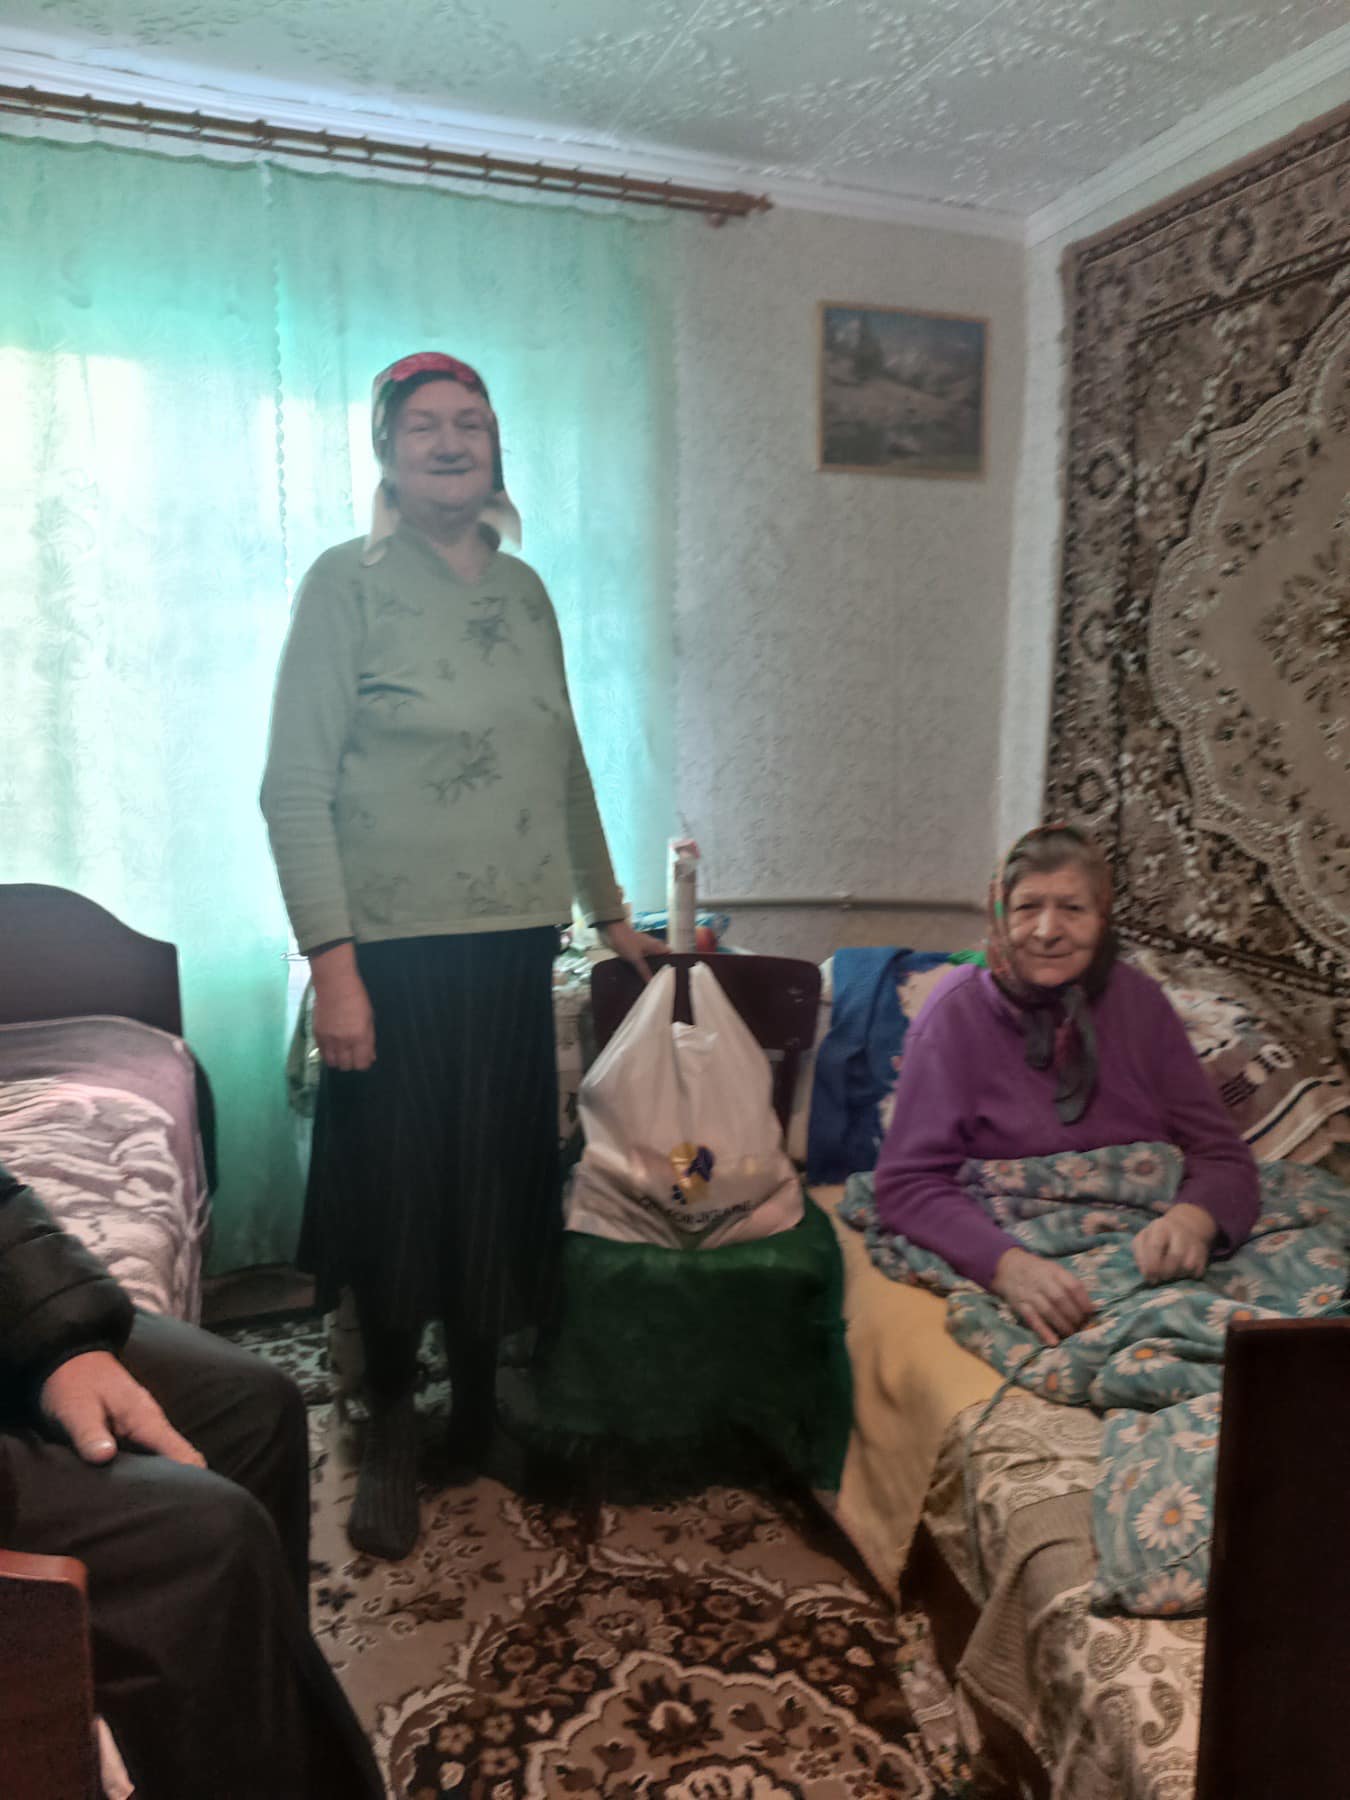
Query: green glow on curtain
(186, 349)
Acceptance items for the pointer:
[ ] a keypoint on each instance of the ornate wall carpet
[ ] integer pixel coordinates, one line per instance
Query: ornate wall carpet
(1201, 710)
(702, 1650)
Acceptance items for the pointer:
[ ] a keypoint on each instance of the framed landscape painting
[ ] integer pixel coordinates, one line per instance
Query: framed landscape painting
(901, 393)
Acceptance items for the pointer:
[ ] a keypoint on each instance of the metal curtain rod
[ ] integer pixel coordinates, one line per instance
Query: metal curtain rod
(716, 204)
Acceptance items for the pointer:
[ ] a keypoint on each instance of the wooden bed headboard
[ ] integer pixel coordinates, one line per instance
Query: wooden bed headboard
(62, 956)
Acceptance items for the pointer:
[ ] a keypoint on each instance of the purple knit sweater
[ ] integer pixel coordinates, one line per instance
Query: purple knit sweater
(966, 1090)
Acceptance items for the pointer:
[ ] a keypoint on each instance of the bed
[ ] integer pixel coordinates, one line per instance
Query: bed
(1081, 1705)
(984, 1518)
(910, 1382)
(103, 1108)
(105, 1112)
(1242, 1704)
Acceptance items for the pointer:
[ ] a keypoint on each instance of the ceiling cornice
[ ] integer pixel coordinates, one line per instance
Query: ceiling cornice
(1114, 189)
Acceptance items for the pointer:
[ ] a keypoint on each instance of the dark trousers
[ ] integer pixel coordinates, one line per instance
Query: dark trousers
(204, 1667)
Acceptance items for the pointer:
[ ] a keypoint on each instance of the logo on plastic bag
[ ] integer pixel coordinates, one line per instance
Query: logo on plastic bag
(693, 1166)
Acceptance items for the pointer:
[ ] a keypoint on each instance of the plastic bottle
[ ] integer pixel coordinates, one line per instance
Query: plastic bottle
(683, 899)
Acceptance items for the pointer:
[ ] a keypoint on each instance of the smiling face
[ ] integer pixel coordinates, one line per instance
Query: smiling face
(1054, 925)
(440, 456)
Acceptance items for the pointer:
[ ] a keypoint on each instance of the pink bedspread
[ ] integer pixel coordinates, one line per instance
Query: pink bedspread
(99, 1116)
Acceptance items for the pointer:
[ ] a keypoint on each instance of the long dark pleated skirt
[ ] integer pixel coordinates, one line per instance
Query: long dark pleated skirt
(433, 1183)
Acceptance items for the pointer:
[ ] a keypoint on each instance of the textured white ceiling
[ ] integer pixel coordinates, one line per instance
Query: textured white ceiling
(997, 104)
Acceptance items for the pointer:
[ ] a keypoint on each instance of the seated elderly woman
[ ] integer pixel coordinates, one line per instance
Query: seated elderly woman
(1055, 1046)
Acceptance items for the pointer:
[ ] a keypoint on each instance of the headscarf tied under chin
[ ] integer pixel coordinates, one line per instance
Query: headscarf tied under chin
(499, 518)
(1056, 1021)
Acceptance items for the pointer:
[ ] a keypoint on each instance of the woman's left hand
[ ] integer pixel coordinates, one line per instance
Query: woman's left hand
(633, 946)
(1177, 1244)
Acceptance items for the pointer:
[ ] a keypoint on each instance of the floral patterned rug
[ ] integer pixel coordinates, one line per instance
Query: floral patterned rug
(708, 1649)
(1201, 717)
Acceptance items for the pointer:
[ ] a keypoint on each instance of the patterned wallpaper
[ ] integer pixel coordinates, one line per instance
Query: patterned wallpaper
(840, 637)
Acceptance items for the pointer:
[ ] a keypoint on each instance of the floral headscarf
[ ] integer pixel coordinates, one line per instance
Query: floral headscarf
(499, 517)
(1057, 1021)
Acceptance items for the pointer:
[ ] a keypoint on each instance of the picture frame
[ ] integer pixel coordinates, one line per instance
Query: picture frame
(901, 392)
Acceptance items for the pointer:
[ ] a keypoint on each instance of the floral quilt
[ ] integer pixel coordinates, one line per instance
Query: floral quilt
(1151, 1359)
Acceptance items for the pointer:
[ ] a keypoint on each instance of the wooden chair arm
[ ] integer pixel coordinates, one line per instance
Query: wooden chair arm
(19, 1565)
(47, 1745)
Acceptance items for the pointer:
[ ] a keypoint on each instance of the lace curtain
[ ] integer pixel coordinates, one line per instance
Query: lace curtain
(186, 349)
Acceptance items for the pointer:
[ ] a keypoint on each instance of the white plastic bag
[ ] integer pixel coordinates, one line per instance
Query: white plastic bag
(683, 1147)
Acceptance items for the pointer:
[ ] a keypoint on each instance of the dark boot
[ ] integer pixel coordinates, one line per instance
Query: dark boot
(385, 1519)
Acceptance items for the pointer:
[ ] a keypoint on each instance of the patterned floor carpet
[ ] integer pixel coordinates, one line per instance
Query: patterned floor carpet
(709, 1649)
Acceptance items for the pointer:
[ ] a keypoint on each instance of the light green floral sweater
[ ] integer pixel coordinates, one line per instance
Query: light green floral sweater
(424, 773)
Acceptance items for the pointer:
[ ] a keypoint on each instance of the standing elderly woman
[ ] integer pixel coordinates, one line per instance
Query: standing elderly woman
(431, 817)
(1055, 1046)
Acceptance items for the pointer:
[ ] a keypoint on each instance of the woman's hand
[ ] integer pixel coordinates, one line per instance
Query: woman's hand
(344, 1020)
(1051, 1300)
(633, 946)
(1177, 1244)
